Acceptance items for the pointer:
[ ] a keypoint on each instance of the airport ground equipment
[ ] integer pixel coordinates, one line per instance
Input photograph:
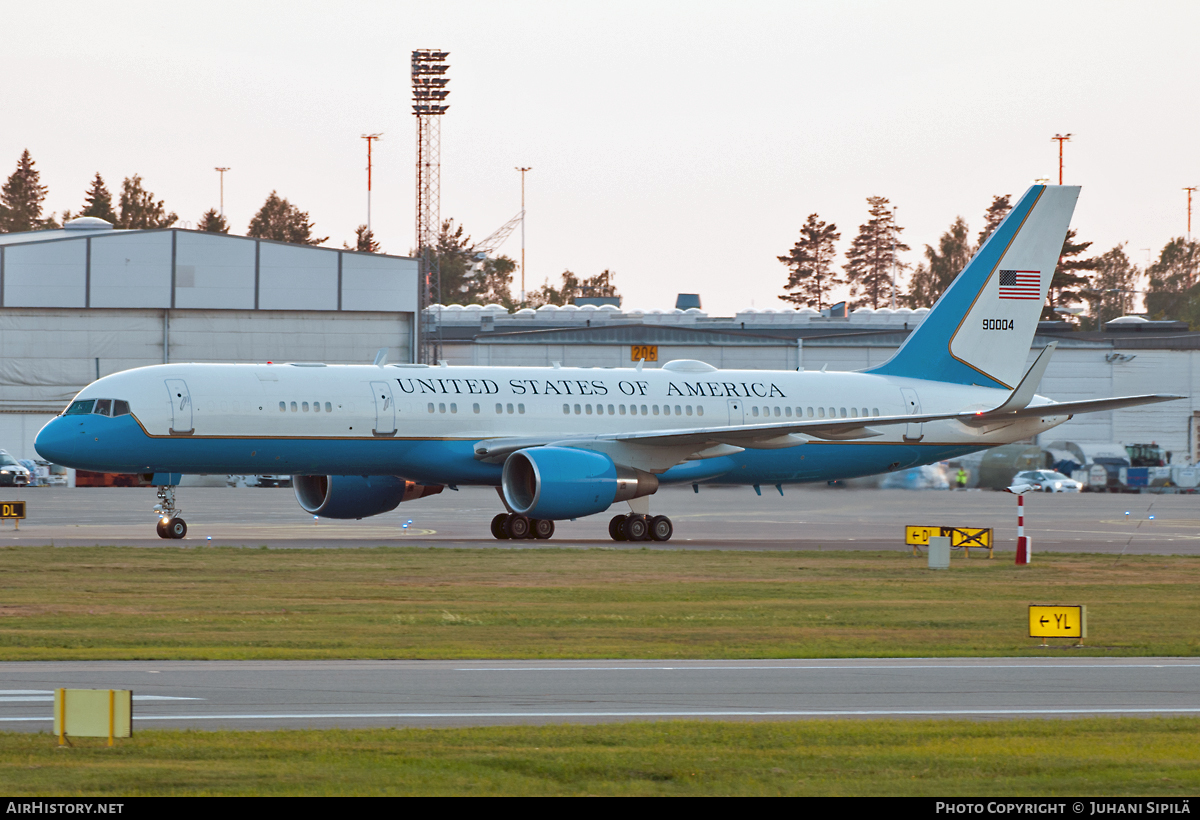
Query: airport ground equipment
(1058, 622)
(93, 713)
(964, 538)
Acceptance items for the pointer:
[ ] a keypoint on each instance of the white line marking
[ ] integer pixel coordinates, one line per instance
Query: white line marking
(982, 668)
(26, 691)
(50, 698)
(706, 713)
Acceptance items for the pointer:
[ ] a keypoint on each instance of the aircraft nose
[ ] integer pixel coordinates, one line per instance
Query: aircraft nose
(56, 441)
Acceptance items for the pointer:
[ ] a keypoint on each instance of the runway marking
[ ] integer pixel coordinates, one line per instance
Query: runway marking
(703, 713)
(988, 668)
(50, 697)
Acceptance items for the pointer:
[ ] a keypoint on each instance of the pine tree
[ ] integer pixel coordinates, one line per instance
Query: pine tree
(21, 198)
(941, 266)
(872, 259)
(1112, 294)
(811, 263)
(1174, 281)
(1070, 276)
(213, 222)
(364, 241)
(572, 287)
(281, 220)
(139, 210)
(993, 216)
(97, 202)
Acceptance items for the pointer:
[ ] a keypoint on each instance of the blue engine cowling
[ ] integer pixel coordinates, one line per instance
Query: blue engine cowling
(355, 496)
(562, 482)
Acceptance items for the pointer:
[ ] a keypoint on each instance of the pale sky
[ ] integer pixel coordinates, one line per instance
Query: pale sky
(679, 144)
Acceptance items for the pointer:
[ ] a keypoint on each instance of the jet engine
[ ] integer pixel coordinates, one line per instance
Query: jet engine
(563, 482)
(356, 496)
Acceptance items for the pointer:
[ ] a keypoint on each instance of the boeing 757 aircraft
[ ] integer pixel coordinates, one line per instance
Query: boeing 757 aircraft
(570, 442)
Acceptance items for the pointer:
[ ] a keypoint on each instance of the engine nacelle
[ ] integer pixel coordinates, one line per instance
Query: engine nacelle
(355, 496)
(562, 482)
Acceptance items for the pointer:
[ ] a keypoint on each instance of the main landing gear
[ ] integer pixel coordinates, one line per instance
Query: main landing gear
(170, 525)
(635, 527)
(507, 525)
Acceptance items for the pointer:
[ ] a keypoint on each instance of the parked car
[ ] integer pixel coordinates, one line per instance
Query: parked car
(11, 472)
(1048, 481)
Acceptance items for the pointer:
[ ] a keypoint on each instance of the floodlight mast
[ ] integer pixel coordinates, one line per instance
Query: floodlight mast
(1190, 191)
(1061, 139)
(222, 171)
(429, 91)
(370, 138)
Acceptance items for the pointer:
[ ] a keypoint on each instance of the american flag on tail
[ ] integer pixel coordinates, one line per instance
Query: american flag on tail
(1020, 284)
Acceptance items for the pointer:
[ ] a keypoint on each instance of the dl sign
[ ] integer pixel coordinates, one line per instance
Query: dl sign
(12, 509)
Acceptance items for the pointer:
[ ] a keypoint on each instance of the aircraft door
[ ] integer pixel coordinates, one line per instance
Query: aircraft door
(181, 407)
(912, 406)
(737, 412)
(385, 409)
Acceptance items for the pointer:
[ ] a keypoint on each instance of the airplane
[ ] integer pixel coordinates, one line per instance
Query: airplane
(565, 443)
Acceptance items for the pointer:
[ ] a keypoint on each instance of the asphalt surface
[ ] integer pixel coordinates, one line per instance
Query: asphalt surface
(323, 694)
(729, 518)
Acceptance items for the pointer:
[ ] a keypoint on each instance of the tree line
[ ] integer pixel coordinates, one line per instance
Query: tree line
(1105, 285)
(23, 196)
(465, 279)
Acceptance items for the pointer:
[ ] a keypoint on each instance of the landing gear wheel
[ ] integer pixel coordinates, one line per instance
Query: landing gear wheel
(176, 528)
(518, 527)
(161, 528)
(616, 528)
(543, 528)
(637, 528)
(661, 528)
(499, 531)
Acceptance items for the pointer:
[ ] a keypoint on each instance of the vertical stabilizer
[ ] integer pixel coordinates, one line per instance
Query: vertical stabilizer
(981, 328)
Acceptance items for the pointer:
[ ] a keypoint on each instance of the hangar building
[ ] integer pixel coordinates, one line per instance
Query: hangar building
(87, 300)
(1130, 356)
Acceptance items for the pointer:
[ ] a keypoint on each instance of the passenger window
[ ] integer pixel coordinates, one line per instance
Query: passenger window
(678, 410)
(611, 410)
(656, 409)
(644, 410)
(853, 412)
(874, 411)
(754, 411)
(842, 412)
(453, 407)
(810, 412)
(666, 409)
(699, 410)
(120, 407)
(622, 408)
(633, 409)
(103, 407)
(566, 409)
(599, 409)
(304, 407)
(80, 408)
(578, 409)
(475, 407)
(510, 409)
(316, 407)
(282, 407)
(499, 408)
(328, 407)
(430, 407)
(441, 407)
(294, 407)
(520, 408)
(821, 412)
(777, 413)
(587, 408)
(688, 409)
(787, 411)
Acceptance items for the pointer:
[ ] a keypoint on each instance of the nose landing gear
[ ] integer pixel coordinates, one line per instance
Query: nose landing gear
(170, 525)
(635, 527)
(505, 526)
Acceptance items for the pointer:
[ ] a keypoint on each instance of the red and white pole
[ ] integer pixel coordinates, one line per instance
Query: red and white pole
(1023, 555)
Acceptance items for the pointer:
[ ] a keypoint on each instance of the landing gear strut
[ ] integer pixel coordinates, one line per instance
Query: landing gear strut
(506, 525)
(634, 527)
(170, 525)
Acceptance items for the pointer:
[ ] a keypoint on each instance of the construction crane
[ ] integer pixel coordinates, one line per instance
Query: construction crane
(483, 250)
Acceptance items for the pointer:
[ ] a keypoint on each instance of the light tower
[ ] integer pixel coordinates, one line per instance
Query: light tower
(370, 138)
(1189, 192)
(1061, 139)
(429, 93)
(222, 171)
(523, 170)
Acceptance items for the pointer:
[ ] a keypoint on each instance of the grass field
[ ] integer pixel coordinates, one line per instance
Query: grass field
(1094, 757)
(223, 603)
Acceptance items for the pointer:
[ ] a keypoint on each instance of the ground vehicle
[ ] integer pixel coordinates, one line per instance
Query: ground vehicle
(11, 472)
(1048, 481)
(1147, 455)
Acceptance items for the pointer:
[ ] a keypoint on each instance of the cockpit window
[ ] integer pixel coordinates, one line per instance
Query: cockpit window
(120, 407)
(103, 407)
(80, 408)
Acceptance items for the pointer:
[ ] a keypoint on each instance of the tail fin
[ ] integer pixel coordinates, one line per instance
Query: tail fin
(980, 330)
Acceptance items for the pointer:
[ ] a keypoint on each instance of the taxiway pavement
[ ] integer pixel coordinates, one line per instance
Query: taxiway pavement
(322, 694)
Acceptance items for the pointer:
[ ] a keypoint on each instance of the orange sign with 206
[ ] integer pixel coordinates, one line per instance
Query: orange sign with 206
(647, 352)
